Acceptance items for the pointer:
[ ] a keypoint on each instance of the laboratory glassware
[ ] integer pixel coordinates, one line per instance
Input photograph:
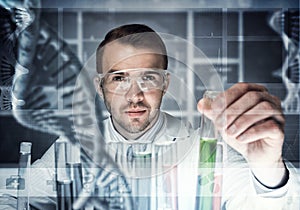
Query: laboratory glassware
(165, 174)
(210, 162)
(24, 174)
(63, 180)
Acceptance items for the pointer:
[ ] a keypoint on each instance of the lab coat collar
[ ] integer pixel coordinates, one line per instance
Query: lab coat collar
(174, 130)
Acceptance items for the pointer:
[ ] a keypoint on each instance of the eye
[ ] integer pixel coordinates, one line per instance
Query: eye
(149, 77)
(118, 78)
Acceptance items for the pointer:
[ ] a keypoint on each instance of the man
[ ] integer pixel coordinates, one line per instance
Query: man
(253, 124)
(132, 63)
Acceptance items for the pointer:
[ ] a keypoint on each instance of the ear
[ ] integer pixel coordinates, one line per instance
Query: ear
(166, 84)
(97, 84)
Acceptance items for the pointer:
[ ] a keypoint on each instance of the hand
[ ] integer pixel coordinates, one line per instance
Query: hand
(250, 120)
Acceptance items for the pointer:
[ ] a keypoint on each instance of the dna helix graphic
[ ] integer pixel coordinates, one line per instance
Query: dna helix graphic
(286, 24)
(39, 79)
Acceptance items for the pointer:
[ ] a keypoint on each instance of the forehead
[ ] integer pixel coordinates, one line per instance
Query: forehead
(119, 56)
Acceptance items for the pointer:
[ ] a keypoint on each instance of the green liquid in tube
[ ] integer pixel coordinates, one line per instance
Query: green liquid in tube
(206, 165)
(207, 159)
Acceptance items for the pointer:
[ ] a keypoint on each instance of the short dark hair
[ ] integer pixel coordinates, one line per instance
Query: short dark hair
(137, 35)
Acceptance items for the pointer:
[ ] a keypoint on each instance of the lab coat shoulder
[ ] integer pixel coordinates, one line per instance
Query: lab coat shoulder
(174, 129)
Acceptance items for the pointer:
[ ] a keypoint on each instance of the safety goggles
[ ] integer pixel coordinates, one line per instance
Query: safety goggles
(146, 78)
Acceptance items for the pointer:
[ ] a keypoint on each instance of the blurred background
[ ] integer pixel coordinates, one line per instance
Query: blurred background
(246, 41)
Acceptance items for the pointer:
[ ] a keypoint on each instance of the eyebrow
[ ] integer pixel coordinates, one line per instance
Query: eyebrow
(145, 72)
(112, 70)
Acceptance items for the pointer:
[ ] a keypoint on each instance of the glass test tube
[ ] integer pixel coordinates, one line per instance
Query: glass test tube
(209, 151)
(166, 176)
(135, 160)
(113, 196)
(24, 174)
(74, 168)
(63, 181)
(218, 176)
(141, 166)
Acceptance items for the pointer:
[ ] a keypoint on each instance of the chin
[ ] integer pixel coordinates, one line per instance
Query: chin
(137, 128)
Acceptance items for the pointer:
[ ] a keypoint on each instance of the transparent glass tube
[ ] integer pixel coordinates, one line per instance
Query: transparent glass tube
(63, 181)
(141, 160)
(210, 156)
(74, 168)
(166, 176)
(24, 174)
(135, 160)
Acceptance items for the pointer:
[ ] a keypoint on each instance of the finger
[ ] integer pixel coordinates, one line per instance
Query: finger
(268, 129)
(204, 106)
(254, 104)
(250, 119)
(222, 101)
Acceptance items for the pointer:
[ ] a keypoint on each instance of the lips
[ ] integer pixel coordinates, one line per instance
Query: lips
(135, 112)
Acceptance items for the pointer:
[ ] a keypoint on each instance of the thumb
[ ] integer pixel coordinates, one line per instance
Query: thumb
(201, 105)
(204, 107)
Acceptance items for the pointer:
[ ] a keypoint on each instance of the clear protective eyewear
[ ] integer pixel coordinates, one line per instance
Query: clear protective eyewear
(146, 78)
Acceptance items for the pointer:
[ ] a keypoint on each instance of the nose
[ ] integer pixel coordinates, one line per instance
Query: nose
(134, 93)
